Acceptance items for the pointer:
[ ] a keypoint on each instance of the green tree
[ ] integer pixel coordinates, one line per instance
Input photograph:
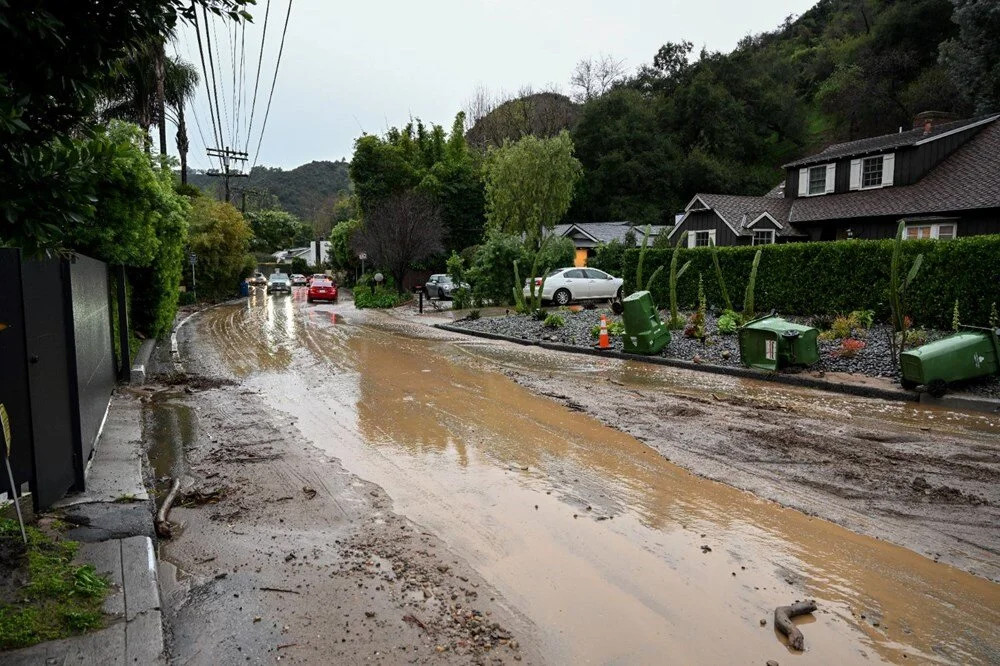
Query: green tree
(492, 271)
(380, 169)
(276, 230)
(529, 185)
(973, 57)
(342, 256)
(220, 237)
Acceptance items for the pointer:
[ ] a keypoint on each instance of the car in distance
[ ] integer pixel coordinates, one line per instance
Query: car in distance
(317, 276)
(279, 282)
(322, 290)
(441, 286)
(299, 280)
(257, 280)
(565, 285)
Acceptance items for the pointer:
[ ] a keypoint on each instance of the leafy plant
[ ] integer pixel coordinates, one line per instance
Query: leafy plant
(850, 347)
(554, 321)
(897, 290)
(614, 328)
(748, 298)
(862, 318)
(718, 275)
(915, 337)
(383, 296)
(956, 321)
(727, 323)
(675, 320)
(822, 322)
(473, 315)
(696, 322)
(841, 327)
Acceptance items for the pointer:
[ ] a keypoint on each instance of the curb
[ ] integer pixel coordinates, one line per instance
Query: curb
(792, 380)
(141, 362)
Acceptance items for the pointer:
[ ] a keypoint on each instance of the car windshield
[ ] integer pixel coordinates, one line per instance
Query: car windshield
(555, 272)
(322, 283)
(279, 277)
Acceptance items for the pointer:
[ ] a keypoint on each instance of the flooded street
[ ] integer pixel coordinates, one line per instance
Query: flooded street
(609, 551)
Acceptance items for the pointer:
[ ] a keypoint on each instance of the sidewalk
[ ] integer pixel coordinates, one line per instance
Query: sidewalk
(113, 519)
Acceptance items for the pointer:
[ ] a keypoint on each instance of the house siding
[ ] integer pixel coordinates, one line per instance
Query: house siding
(970, 223)
(705, 220)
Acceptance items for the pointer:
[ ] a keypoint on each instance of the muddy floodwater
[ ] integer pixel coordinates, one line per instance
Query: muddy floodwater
(612, 552)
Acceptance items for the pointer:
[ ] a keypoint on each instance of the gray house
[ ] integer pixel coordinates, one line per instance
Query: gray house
(586, 236)
(943, 178)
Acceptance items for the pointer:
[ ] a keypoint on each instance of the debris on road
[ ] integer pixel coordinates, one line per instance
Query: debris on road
(783, 621)
(163, 527)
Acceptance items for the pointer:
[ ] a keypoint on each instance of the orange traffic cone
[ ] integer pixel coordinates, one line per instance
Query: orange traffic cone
(604, 342)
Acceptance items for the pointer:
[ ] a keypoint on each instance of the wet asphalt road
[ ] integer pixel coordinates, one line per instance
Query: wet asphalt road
(612, 553)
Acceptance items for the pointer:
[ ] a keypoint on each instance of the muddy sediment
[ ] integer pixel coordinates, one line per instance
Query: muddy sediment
(591, 543)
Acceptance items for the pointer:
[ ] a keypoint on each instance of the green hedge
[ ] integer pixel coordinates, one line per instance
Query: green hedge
(837, 277)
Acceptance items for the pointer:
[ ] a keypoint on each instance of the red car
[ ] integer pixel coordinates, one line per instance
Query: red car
(322, 290)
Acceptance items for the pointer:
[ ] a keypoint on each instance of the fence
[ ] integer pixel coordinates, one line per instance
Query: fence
(59, 367)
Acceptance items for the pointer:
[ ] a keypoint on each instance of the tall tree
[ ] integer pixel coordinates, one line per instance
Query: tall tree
(399, 230)
(973, 57)
(529, 185)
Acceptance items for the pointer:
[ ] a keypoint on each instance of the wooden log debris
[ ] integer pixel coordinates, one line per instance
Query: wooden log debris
(783, 621)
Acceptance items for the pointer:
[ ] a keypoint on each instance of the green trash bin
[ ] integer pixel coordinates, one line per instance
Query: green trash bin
(645, 333)
(770, 343)
(970, 353)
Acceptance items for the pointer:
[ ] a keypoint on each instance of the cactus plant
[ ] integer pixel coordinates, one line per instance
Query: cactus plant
(748, 297)
(718, 275)
(956, 321)
(675, 322)
(652, 278)
(519, 303)
(642, 257)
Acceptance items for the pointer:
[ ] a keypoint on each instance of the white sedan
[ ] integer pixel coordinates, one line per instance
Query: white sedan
(577, 284)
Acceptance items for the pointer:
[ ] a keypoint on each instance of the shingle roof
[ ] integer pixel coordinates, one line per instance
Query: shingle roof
(968, 178)
(740, 211)
(888, 141)
(605, 232)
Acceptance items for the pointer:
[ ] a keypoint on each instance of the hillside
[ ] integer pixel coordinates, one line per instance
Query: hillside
(303, 191)
(725, 122)
(541, 114)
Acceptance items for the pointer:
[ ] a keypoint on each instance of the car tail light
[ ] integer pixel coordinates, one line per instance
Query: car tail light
(538, 282)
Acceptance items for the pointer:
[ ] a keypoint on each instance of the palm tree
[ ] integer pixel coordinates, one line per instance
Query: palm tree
(133, 93)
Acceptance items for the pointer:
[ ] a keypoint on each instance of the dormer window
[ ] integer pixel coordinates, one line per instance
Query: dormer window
(817, 180)
(871, 172)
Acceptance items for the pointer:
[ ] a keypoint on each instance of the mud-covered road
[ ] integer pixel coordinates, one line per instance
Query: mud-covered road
(369, 489)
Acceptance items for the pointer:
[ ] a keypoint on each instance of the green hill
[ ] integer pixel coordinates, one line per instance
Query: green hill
(304, 191)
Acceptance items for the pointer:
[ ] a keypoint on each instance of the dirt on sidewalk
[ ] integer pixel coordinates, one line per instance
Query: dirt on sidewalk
(281, 553)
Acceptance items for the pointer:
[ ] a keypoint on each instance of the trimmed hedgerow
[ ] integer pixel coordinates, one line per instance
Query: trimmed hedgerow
(841, 276)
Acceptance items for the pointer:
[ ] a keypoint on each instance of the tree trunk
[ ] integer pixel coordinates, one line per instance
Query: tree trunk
(182, 143)
(161, 112)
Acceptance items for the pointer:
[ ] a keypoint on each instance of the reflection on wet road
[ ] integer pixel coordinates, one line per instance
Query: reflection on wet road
(591, 534)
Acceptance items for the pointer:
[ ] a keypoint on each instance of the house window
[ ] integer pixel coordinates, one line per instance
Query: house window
(871, 172)
(701, 238)
(817, 179)
(763, 236)
(938, 230)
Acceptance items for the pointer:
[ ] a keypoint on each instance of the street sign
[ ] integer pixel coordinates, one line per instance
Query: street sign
(363, 256)
(193, 258)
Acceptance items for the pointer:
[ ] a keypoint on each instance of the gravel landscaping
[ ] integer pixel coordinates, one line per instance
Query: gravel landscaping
(873, 360)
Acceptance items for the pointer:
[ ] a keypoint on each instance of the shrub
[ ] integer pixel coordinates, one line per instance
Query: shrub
(841, 327)
(862, 318)
(614, 328)
(915, 337)
(382, 296)
(554, 321)
(822, 322)
(840, 276)
(492, 270)
(473, 315)
(727, 323)
(608, 257)
(850, 347)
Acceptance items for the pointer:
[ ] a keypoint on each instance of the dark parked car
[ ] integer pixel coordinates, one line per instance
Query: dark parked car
(279, 282)
(322, 290)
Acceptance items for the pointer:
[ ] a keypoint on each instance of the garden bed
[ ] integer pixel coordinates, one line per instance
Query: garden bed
(872, 360)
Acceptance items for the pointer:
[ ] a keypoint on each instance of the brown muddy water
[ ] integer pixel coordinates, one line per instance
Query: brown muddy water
(615, 554)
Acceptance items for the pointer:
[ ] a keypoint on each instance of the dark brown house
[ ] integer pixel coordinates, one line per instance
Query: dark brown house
(943, 178)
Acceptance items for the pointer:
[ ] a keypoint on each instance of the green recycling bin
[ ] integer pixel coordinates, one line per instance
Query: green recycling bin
(970, 353)
(770, 343)
(645, 333)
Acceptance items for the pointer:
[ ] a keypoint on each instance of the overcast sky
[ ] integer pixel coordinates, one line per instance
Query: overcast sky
(349, 67)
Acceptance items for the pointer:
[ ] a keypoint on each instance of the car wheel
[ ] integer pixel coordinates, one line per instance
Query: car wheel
(621, 292)
(561, 297)
(440, 294)
(309, 300)
(937, 388)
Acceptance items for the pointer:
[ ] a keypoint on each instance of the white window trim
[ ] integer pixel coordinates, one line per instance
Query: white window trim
(861, 185)
(691, 239)
(763, 231)
(857, 171)
(830, 182)
(935, 229)
(761, 217)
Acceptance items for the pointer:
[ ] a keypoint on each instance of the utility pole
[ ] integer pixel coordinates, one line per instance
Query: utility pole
(227, 156)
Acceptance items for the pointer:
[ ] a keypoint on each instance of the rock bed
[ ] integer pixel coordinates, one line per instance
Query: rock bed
(873, 360)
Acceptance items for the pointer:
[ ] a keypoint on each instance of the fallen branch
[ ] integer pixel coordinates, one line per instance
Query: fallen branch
(783, 621)
(413, 619)
(163, 529)
(277, 589)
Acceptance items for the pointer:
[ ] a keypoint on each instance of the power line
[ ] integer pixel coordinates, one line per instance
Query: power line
(241, 99)
(212, 65)
(260, 58)
(277, 64)
(215, 130)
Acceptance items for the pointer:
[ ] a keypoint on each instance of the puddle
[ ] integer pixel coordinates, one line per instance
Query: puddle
(590, 533)
(169, 429)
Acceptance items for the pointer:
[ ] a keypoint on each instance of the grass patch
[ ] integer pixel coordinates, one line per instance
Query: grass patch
(43, 595)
